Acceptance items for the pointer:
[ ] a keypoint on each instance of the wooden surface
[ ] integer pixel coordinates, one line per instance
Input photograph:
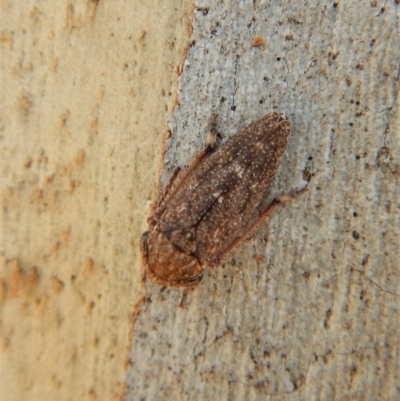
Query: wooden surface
(86, 91)
(308, 309)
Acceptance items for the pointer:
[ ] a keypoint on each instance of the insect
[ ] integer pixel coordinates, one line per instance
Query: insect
(215, 205)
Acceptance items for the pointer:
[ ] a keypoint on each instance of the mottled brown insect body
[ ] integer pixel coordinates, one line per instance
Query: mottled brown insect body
(211, 209)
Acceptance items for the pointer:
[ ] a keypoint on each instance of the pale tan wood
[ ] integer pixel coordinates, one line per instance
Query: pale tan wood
(87, 88)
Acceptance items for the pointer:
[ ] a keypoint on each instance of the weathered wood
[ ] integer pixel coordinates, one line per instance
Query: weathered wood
(86, 90)
(309, 308)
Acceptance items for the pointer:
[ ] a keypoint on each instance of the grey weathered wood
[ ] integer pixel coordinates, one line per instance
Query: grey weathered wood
(308, 309)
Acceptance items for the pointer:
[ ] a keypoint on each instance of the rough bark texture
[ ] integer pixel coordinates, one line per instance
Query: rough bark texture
(309, 308)
(86, 91)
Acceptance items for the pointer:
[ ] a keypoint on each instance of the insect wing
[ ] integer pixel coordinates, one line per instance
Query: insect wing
(217, 200)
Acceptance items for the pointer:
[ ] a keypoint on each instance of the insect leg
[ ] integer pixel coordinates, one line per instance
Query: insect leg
(179, 176)
(185, 293)
(263, 215)
(210, 148)
(167, 189)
